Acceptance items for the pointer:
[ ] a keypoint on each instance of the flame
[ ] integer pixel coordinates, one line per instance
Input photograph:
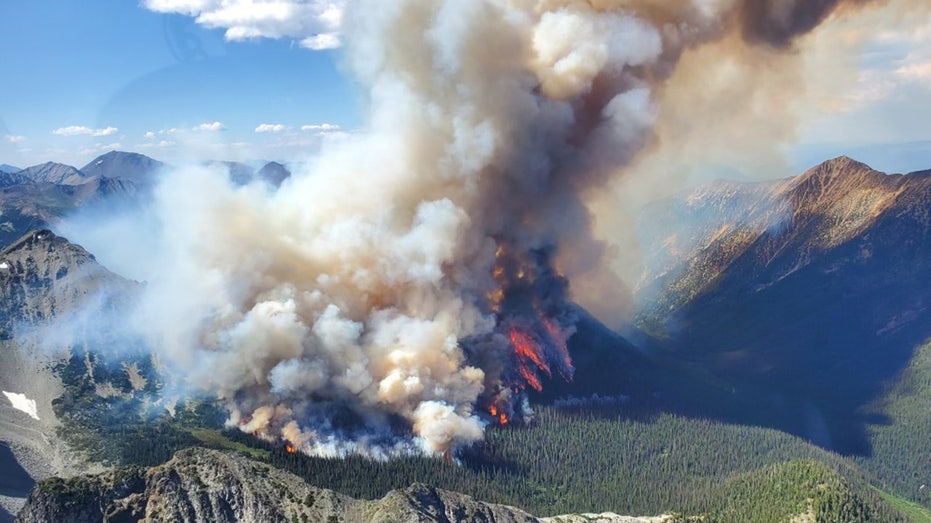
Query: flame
(290, 448)
(499, 415)
(527, 299)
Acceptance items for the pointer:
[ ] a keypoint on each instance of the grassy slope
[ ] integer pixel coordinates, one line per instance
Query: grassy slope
(915, 512)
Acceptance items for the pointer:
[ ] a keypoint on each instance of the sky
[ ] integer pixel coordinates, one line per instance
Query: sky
(248, 80)
(82, 78)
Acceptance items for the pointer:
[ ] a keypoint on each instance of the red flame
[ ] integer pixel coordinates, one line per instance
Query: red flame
(499, 415)
(529, 353)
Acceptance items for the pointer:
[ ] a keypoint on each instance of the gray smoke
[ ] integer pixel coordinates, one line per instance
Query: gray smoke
(778, 22)
(383, 296)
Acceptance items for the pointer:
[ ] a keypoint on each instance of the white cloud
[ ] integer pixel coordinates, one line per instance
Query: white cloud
(206, 127)
(271, 128)
(81, 130)
(149, 135)
(321, 41)
(14, 138)
(161, 144)
(316, 23)
(321, 128)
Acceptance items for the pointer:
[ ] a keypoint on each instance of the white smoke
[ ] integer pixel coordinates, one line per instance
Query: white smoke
(357, 296)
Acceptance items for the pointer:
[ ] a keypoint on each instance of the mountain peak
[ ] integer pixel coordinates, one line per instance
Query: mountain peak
(9, 169)
(835, 167)
(127, 166)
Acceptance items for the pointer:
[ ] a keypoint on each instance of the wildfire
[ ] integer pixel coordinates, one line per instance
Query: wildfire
(290, 448)
(529, 300)
(500, 416)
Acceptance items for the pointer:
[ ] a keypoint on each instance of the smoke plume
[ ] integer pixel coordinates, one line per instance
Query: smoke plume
(401, 293)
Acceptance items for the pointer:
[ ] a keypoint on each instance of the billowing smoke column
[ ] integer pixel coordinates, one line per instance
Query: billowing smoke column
(401, 293)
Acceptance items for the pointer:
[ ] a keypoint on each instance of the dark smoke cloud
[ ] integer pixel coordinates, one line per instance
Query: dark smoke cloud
(779, 22)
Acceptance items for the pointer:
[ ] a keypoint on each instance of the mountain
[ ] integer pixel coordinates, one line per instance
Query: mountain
(239, 173)
(273, 173)
(201, 485)
(57, 173)
(44, 276)
(807, 295)
(49, 289)
(28, 206)
(12, 178)
(9, 169)
(131, 167)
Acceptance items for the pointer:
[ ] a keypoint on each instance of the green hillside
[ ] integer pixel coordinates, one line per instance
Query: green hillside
(584, 461)
(901, 456)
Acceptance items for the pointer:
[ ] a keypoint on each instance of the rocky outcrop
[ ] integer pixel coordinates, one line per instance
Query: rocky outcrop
(43, 276)
(201, 485)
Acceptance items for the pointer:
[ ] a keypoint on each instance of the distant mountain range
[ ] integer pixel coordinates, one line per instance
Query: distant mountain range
(38, 196)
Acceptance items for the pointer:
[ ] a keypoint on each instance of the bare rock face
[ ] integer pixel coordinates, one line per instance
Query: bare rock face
(201, 485)
(44, 280)
(43, 275)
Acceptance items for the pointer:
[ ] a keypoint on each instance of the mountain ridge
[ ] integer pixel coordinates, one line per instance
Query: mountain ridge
(202, 485)
(808, 293)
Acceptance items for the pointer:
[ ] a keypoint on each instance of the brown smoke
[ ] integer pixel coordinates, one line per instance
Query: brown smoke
(420, 270)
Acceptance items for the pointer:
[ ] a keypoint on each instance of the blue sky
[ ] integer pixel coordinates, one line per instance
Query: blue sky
(103, 73)
(180, 78)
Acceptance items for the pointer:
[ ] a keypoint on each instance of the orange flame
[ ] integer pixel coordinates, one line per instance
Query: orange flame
(529, 352)
(500, 416)
(290, 448)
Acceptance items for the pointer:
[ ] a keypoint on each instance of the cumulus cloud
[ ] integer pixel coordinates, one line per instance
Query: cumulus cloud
(315, 24)
(14, 138)
(271, 128)
(206, 127)
(149, 135)
(81, 130)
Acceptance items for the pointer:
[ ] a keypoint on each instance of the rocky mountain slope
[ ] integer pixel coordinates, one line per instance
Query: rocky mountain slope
(807, 295)
(201, 485)
(43, 277)
(55, 173)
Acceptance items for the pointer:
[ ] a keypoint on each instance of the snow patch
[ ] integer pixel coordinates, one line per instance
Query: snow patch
(21, 402)
(5, 266)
